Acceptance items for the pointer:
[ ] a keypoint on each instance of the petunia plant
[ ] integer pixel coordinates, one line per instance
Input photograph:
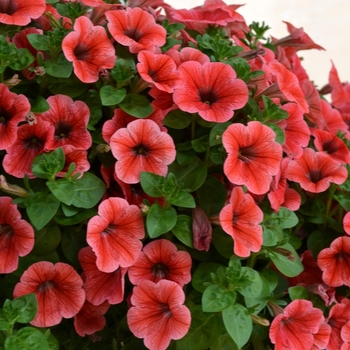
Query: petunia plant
(169, 179)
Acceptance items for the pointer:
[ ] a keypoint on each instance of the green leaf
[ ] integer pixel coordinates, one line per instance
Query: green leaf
(160, 220)
(22, 309)
(254, 286)
(225, 342)
(111, 96)
(124, 70)
(27, 338)
(202, 275)
(189, 176)
(39, 41)
(88, 190)
(136, 105)
(212, 195)
(183, 230)
(152, 184)
(177, 119)
(39, 105)
(71, 87)
(200, 145)
(182, 199)
(47, 239)
(47, 165)
(69, 210)
(319, 240)
(41, 208)
(298, 292)
(22, 59)
(290, 266)
(60, 68)
(217, 298)
(223, 242)
(343, 199)
(75, 219)
(73, 239)
(215, 137)
(272, 111)
(63, 190)
(280, 136)
(204, 331)
(4, 324)
(238, 324)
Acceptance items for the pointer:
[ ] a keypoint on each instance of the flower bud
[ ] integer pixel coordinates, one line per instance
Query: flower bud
(202, 230)
(12, 189)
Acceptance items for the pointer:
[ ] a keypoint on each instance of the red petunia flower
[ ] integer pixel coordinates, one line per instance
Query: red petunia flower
(13, 109)
(314, 171)
(345, 335)
(159, 70)
(296, 327)
(211, 90)
(340, 92)
(101, 286)
(70, 119)
(16, 236)
(58, 289)
(346, 223)
(141, 146)
(186, 54)
(159, 260)
(253, 156)
(114, 234)
(89, 48)
(334, 121)
(136, 29)
(31, 141)
(158, 314)
(76, 156)
(241, 219)
(331, 144)
(335, 262)
(321, 338)
(90, 318)
(338, 316)
(20, 12)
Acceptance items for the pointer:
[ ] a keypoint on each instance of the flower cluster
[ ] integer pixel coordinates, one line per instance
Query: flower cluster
(169, 179)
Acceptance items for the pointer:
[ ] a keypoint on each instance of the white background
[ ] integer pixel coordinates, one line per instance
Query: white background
(326, 22)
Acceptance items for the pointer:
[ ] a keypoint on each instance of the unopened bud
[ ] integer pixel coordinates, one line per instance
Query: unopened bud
(202, 230)
(285, 252)
(259, 320)
(31, 118)
(40, 71)
(12, 82)
(275, 309)
(12, 189)
(102, 148)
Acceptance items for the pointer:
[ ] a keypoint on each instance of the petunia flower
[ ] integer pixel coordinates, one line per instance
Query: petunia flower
(159, 260)
(158, 314)
(101, 286)
(253, 156)
(346, 223)
(136, 29)
(58, 289)
(16, 236)
(241, 219)
(114, 234)
(20, 12)
(296, 327)
(315, 171)
(89, 48)
(31, 141)
(338, 316)
(13, 110)
(335, 262)
(90, 318)
(211, 90)
(69, 119)
(159, 70)
(141, 146)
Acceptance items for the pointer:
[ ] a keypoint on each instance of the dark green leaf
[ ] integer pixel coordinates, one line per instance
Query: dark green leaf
(62, 189)
(177, 119)
(27, 338)
(182, 199)
(280, 136)
(217, 298)
(183, 230)
(202, 275)
(22, 309)
(272, 111)
(39, 41)
(160, 220)
(136, 105)
(60, 68)
(298, 292)
(215, 137)
(76, 219)
(152, 184)
(111, 96)
(39, 105)
(47, 165)
(47, 239)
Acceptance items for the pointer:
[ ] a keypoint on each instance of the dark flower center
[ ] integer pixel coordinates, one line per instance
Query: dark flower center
(5, 116)
(160, 270)
(45, 286)
(330, 147)
(208, 96)
(315, 175)
(141, 150)
(164, 308)
(110, 229)
(235, 218)
(246, 154)
(62, 130)
(133, 33)
(6, 230)
(153, 74)
(8, 6)
(81, 52)
(33, 143)
(342, 255)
